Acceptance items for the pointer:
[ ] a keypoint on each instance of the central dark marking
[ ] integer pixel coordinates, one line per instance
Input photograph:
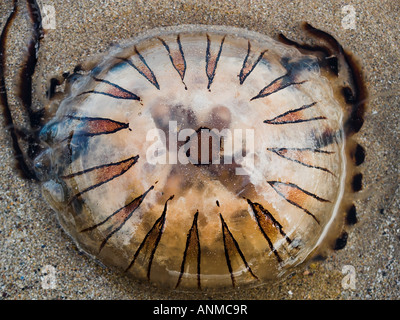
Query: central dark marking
(204, 147)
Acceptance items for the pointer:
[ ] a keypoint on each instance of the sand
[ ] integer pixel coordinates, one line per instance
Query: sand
(31, 239)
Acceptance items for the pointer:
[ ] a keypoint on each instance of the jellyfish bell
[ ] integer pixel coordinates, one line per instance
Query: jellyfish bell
(199, 157)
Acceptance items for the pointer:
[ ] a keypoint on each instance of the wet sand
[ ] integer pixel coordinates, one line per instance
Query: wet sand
(30, 237)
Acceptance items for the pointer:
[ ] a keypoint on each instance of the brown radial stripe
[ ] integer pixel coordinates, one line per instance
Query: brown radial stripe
(212, 59)
(113, 91)
(119, 218)
(177, 57)
(103, 173)
(232, 251)
(140, 65)
(266, 226)
(295, 195)
(191, 255)
(151, 240)
(299, 155)
(294, 116)
(277, 85)
(249, 63)
(265, 219)
(92, 126)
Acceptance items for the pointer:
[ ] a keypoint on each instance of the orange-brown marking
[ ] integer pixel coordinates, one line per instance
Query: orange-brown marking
(103, 173)
(212, 59)
(291, 117)
(119, 93)
(294, 116)
(294, 192)
(277, 85)
(191, 255)
(267, 225)
(114, 91)
(249, 63)
(103, 126)
(112, 171)
(295, 195)
(119, 218)
(140, 64)
(234, 256)
(96, 126)
(301, 156)
(150, 241)
(177, 57)
(179, 63)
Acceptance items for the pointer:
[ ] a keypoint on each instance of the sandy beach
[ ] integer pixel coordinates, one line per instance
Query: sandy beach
(31, 240)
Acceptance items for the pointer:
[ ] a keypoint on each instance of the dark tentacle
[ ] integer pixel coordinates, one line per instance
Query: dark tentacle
(24, 92)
